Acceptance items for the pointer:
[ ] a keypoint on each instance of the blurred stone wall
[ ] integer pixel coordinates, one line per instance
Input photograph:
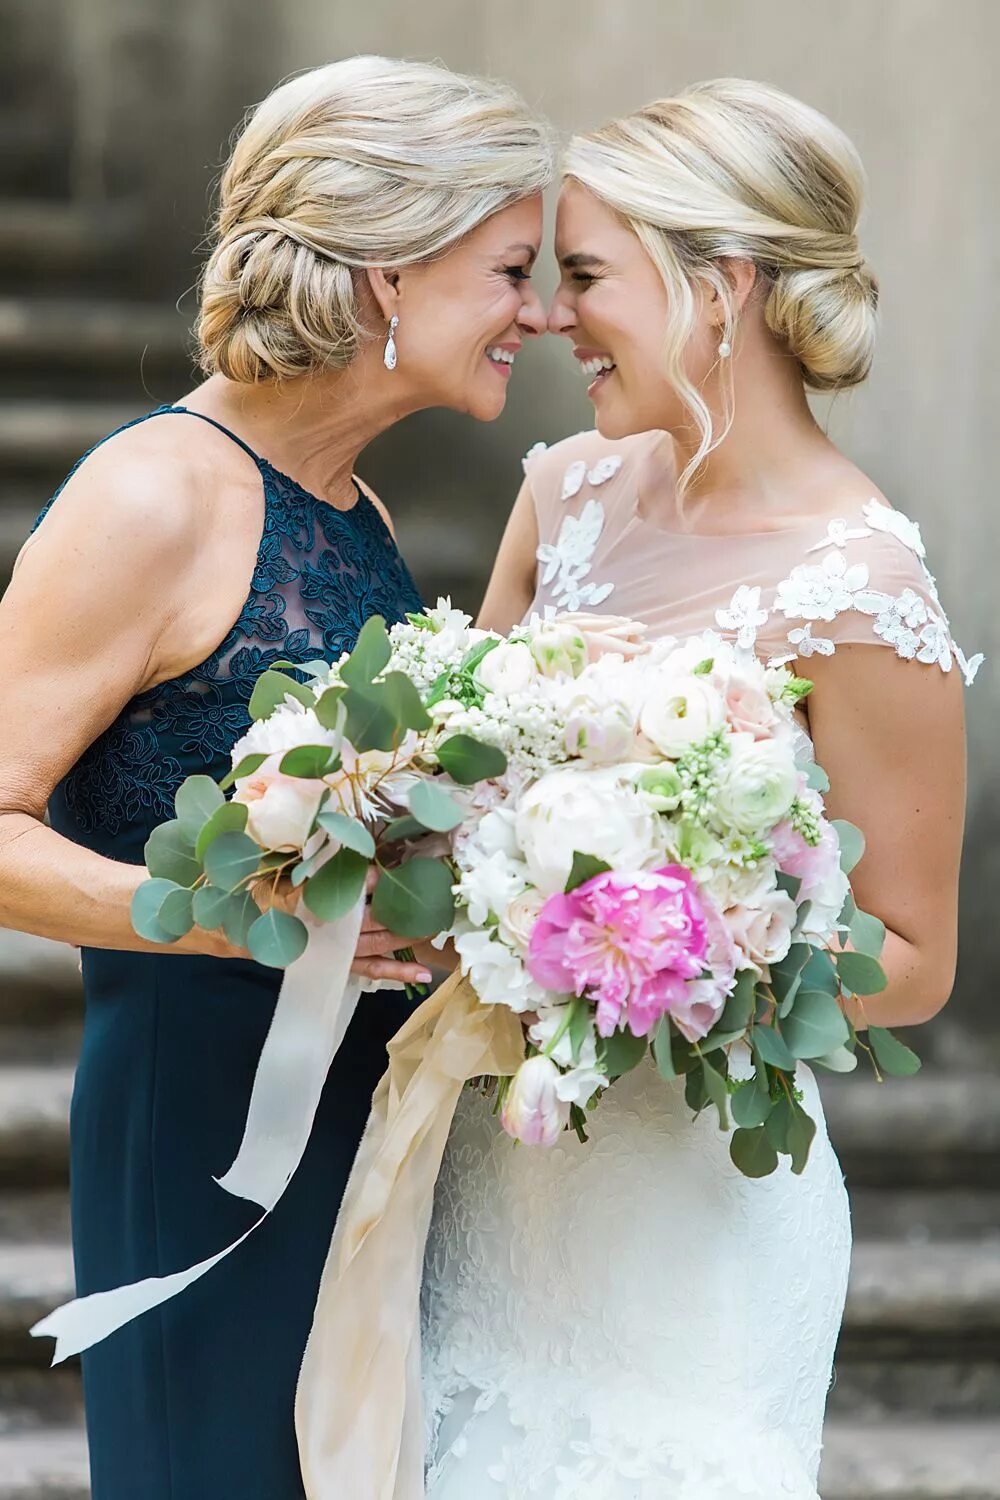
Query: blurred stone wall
(153, 92)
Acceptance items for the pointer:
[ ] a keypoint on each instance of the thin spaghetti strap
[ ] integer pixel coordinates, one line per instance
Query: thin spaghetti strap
(186, 411)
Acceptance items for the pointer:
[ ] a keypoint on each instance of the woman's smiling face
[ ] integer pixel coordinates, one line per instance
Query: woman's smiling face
(613, 305)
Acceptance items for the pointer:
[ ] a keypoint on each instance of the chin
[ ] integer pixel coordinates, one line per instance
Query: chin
(614, 422)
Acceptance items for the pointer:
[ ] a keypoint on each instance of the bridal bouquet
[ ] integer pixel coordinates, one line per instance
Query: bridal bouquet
(652, 872)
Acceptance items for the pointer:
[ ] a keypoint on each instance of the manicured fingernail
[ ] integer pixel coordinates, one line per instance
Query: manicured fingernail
(424, 976)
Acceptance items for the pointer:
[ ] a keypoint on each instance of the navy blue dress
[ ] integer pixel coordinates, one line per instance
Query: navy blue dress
(194, 1400)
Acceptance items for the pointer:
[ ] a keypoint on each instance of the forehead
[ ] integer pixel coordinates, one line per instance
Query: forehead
(585, 224)
(520, 225)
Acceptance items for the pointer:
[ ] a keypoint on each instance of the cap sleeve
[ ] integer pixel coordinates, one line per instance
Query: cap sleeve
(866, 582)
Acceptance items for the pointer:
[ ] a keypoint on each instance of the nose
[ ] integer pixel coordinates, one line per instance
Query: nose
(562, 314)
(531, 316)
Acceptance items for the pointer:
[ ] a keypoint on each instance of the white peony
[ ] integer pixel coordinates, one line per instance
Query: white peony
(289, 726)
(489, 886)
(600, 728)
(508, 668)
(589, 811)
(680, 712)
(757, 784)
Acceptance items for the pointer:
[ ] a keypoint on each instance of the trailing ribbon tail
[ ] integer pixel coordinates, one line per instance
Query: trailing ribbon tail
(318, 997)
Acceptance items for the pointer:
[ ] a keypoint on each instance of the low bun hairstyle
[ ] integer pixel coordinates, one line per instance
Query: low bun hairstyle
(365, 162)
(738, 169)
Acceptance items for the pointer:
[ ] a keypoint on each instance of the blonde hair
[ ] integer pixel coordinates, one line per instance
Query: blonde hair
(739, 169)
(365, 162)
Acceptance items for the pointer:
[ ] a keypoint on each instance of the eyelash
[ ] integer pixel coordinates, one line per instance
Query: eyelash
(517, 273)
(584, 278)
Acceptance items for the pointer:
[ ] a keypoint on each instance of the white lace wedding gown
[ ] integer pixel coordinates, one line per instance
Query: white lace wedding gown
(632, 1319)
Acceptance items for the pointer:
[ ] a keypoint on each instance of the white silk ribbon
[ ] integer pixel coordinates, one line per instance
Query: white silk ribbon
(317, 999)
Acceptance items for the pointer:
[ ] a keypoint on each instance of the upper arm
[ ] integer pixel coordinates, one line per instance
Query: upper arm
(512, 583)
(890, 735)
(82, 619)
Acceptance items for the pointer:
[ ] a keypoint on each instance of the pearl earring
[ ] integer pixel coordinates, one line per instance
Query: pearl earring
(725, 349)
(389, 356)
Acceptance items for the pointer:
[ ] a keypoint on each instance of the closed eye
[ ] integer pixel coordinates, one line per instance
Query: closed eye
(517, 273)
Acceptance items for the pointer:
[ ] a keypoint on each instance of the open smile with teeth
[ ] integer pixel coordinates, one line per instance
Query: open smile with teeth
(499, 356)
(600, 364)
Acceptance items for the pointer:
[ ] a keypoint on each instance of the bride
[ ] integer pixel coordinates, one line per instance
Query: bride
(632, 1319)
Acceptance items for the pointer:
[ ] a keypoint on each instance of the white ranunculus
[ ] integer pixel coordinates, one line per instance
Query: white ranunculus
(289, 726)
(680, 712)
(661, 787)
(508, 668)
(586, 810)
(757, 785)
(280, 809)
(559, 650)
(600, 729)
(517, 921)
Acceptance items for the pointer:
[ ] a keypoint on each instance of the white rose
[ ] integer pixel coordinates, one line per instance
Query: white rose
(508, 668)
(589, 811)
(680, 712)
(280, 809)
(758, 784)
(517, 920)
(763, 933)
(559, 650)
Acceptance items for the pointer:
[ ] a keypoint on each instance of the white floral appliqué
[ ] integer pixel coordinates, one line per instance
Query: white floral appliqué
(894, 523)
(806, 644)
(573, 479)
(821, 592)
(567, 561)
(533, 452)
(838, 534)
(744, 615)
(905, 622)
(606, 468)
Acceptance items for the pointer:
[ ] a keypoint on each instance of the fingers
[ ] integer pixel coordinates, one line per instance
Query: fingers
(391, 968)
(375, 944)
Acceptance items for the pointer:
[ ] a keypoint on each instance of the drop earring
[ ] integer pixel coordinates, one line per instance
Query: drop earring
(725, 349)
(389, 357)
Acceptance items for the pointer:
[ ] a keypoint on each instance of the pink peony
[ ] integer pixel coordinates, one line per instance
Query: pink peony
(631, 941)
(813, 865)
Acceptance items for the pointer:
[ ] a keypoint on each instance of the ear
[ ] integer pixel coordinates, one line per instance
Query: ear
(384, 286)
(741, 274)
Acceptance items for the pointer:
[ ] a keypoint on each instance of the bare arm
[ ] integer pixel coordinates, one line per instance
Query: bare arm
(512, 583)
(890, 735)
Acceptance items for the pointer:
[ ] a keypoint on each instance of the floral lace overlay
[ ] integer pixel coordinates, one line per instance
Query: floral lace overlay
(629, 1319)
(319, 574)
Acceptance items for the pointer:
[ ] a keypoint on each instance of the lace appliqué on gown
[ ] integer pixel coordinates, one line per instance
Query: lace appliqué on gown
(568, 560)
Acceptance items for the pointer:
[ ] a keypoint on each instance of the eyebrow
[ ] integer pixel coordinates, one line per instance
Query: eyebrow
(579, 260)
(531, 251)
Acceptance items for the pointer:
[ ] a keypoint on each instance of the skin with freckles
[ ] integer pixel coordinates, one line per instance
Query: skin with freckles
(139, 571)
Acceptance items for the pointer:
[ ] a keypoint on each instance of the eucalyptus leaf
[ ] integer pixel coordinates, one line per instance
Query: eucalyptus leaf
(767, 1044)
(369, 723)
(892, 1055)
(852, 844)
(406, 828)
(799, 1138)
(348, 832)
(308, 761)
(584, 868)
(239, 916)
(170, 854)
(230, 859)
(752, 1152)
(696, 1094)
(146, 903)
(738, 1007)
(433, 807)
(337, 886)
(271, 689)
(277, 939)
(820, 973)
(867, 934)
(176, 913)
(815, 1026)
(370, 656)
(751, 1103)
(663, 1052)
(860, 974)
(468, 760)
(621, 1052)
(330, 710)
(198, 797)
(786, 975)
(790, 884)
(415, 899)
(245, 767)
(816, 777)
(230, 817)
(316, 667)
(715, 1087)
(226, 909)
(841, 1060)
(402, 700)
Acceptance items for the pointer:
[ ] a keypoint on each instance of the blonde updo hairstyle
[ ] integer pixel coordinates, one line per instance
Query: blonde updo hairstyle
(365, 162)
(739, 169)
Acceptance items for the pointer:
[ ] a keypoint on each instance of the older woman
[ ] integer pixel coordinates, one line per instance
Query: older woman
(377, 228)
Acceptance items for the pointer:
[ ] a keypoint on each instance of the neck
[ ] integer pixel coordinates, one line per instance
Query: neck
(312, 428)
(773, 433)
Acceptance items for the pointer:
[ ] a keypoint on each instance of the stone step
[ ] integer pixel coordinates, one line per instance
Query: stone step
(45, 438)
(135, 342)
(919, 1215)
(41, 984)
(933, 1129)
(33, 1399)
(897, 1461)
(34, 1124)
(47, 242)
(911, 1461)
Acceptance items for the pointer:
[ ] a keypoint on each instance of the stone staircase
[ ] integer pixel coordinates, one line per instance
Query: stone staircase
(915, 1409)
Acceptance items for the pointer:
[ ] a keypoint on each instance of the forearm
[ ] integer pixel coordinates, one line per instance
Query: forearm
(54, 888)
(919, 984)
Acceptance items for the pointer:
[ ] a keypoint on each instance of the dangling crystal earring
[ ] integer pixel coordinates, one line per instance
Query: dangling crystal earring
(390, 344)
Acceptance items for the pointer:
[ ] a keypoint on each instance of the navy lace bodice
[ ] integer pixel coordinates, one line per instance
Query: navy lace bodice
(320, 573)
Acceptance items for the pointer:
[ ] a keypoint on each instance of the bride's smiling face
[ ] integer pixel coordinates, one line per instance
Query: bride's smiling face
(612, 304)
(464, 317)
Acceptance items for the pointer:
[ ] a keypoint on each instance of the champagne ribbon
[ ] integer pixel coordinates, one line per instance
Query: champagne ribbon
(358, 1406)
(317, 999)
